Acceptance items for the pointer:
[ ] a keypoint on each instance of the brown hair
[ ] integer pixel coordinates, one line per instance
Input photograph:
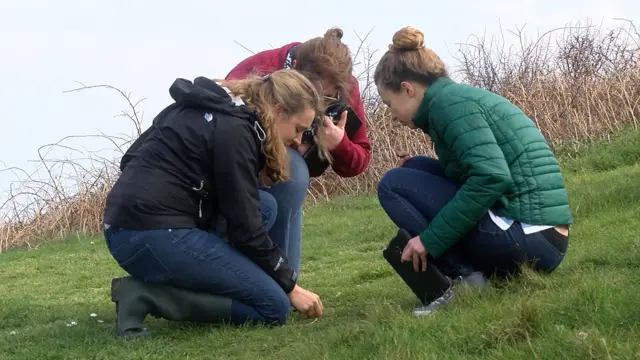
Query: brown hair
(408, 59)
(326, 58)
(290, 90)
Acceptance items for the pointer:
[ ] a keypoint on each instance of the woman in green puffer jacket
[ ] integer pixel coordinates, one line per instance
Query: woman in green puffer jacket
(495, 198)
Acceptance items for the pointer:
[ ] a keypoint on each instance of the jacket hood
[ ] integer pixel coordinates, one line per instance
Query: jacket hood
(205, 93)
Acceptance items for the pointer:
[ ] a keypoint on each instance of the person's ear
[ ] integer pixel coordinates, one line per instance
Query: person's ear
(294, 63)
(279, 111)
(408, 88)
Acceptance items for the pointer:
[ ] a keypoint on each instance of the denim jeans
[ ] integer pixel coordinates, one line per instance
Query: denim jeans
(202, 261)
(413, 194)
(287, 228)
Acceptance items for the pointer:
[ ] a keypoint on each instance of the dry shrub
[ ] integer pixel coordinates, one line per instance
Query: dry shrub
(62, 197)
(577, 82)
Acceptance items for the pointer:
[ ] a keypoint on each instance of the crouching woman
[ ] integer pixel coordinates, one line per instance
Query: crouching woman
(495, 198)
(204, 157)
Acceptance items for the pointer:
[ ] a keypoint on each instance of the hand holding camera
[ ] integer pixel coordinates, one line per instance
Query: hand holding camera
(329, 135)
(325, 134)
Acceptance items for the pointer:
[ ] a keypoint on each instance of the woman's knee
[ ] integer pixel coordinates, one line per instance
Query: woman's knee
(268, 208)
(390, 180)
(276, 308)
(299, 171)
(387, 196)
(291, 193)
(424, 163)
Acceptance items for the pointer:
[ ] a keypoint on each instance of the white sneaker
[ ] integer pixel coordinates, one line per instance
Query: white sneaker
(475, 279)
(445, 299)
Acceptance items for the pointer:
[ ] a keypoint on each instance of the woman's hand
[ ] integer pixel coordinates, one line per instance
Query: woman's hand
(297, 144)
(330, 135)
(415, 251)
(302, 148)
(403, 156)
(306, 302)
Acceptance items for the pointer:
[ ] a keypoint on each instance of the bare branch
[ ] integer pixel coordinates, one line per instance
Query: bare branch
(137, 121)
(244, 47)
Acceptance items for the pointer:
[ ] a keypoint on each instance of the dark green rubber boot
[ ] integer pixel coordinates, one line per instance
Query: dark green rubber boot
(136, 299)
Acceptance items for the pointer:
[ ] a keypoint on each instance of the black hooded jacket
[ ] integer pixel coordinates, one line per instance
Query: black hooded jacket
(200, 158)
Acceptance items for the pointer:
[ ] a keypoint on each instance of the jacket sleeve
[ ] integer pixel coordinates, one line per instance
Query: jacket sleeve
(467, 136)
(352, 155)
(128, 155)
(235, 161)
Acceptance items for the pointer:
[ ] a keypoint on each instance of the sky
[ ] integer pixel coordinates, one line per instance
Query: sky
(142, 46)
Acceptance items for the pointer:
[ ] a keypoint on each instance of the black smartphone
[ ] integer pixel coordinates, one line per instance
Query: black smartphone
(428, 285)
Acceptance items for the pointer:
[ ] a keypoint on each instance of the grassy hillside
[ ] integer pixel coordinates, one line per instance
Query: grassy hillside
(588, 309)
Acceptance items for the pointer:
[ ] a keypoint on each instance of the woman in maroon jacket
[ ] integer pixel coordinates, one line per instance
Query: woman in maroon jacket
(327, 62)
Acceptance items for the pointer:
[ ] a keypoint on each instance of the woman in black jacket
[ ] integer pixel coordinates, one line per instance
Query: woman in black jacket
(201, 160)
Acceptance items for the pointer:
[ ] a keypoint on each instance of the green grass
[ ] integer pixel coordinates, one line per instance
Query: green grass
(588, 309)
(623, 149)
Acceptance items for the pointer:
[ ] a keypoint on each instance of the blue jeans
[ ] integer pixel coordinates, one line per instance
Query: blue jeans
(287, 228)
(413, 194)
(202, 261)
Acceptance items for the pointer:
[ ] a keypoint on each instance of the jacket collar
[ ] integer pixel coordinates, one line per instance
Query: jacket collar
(287, 62)
(420, 119)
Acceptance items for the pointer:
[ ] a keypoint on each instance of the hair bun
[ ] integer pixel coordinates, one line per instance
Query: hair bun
(334, 33)
(407, 38)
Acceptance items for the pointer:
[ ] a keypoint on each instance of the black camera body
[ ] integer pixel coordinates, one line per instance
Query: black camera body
(334, 111)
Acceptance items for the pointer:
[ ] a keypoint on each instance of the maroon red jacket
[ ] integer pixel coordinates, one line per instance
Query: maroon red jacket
(352, 155)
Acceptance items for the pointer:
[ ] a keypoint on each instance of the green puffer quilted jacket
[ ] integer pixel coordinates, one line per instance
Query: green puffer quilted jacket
(497, 154)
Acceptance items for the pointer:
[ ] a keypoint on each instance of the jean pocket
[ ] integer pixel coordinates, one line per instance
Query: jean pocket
(191, 241)
(146, 265)
(496, 248)
(198, 245)
(541, 253)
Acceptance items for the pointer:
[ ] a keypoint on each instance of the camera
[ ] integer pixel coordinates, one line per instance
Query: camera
(333, 111)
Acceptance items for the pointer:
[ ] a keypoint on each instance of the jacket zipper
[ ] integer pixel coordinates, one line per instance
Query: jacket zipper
(200, 203)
